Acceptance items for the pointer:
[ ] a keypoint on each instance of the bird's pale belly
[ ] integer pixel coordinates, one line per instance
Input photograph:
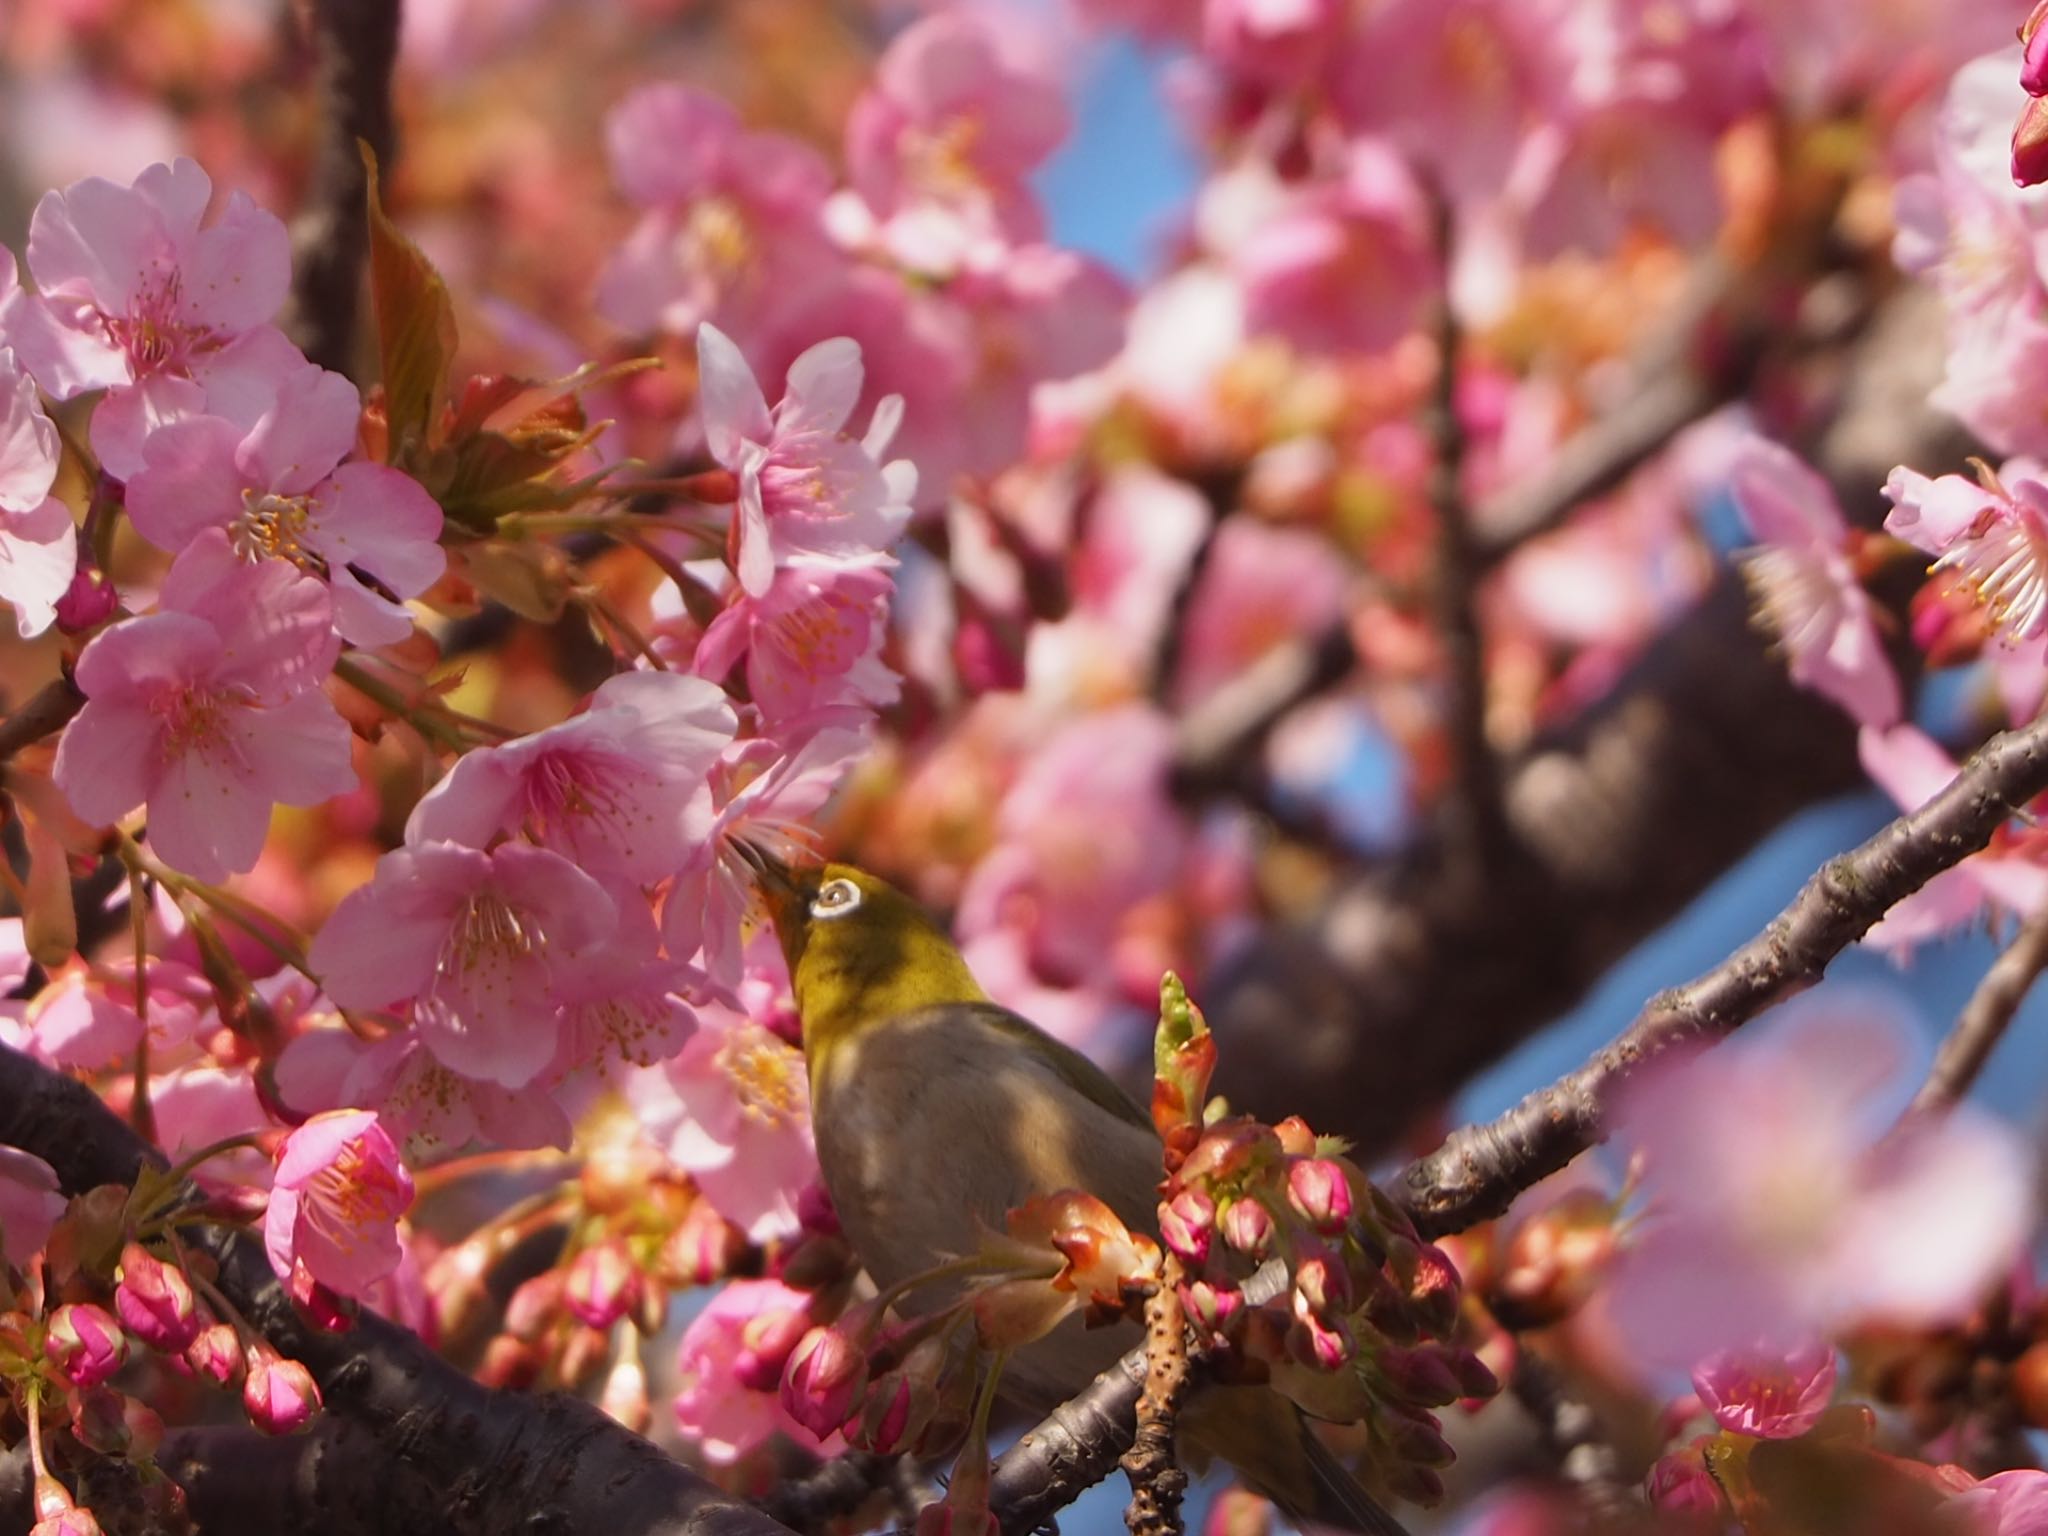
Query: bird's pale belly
(929, 1131)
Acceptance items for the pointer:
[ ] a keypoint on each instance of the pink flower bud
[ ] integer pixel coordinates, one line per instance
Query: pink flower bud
(89, 601)
(52, 1498)
(1680, 1482)
(1248, 1227)
(2034, 65)
(533, 1305)
(1323, 1285)
(1324, 1345)
(1187, 1222)
(1416, 1438)
(703, 1248)
(115, 1424)
(509, 1362)
(155, 1302)
(766, 1342)
(603, 1284)
(76, 1521)
(2030, 143)
(1212, 1307)
(279, 1394)
(85, 1344)
(1420, 1376)
(885, 1421)
(216, 1355)
(1320, 1194)
(827, 1372)
(814, 1210)
(1435, 1290)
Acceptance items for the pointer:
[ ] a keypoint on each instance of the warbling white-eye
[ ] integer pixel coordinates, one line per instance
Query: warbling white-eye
(937, 1111)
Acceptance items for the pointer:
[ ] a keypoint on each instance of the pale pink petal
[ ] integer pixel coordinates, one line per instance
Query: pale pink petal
(730, 400)
(1782, 499)
(207, 816)
(308, 429)
(38, 558)
(384, 521)
(106, 759)
(29, 448)
(477, 799)
(236, 273)
(298, 752)
(822, 387)
(188, 481)
(124, 421)
(275, 622)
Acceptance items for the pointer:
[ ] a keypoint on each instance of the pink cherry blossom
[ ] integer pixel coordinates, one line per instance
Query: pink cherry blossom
(1768, 1393)
(734, 1111)
(2006, 1504)
(476, 942)
(725, 1419)
(762, 795)
(812, 639)
(1994, 537)
(808, 492)
(1806, 587)
(940, 148)
(1260, 586)
(38, 543)
(278, 485)
(1274, 42)
(620, 1007)
(207, 711)
(732, 232)
(30, 1203)
(136, 298)
(1344, 266)
(1085, 833)
(606, 790)
(1774, 1207)
(335, 1202)
(1911, 767)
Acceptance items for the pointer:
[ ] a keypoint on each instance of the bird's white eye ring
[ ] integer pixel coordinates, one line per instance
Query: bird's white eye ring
(835, 898)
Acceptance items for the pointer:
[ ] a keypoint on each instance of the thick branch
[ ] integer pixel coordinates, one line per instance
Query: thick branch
(1363, 1015)
(1480, 1169)
(1157, 1482)
(1984, 1018)
(355, 44)
(418, 1446)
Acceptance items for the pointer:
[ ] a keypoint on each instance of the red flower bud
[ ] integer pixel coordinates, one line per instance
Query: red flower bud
(2030, 143)
(216, 1355)
(603, 1284)
(1187, 1222)
(1320, 1194)
(85, 1344)
(533, 1305)
(155, 1301)
(2034, 65)
(827, 1372)
(766, 1342)
(703, 1248)
(509, 1362)
(1248, 1227)
(1212, 1307)
(279, 1394)
(1420, 1376)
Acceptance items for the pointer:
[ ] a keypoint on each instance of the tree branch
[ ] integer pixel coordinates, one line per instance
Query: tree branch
(355, 45)
(1157, 1482)
(45, 713)
(414, 1444)
(1984, 1019)
(1480, 1169)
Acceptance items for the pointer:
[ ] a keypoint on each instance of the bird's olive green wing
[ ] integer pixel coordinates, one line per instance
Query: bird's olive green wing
(1074, 1069)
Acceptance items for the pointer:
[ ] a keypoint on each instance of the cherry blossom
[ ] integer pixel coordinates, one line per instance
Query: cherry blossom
(727, 1420)
(38, 544)
(1774, 1208)
(734, 1110)
(335, 1201)
(812, 639)
(2006, 1504)
(732, 232)
(940, 147)
(278, 485)
(1771, 1394)
(136, 298)
(1805, 585)
(476, 943)
(607, 790)
(1993, 534)
(207, 711)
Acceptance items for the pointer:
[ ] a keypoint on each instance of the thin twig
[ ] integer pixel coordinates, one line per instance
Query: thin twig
(1157, 1482)
(1480, 1169)
(1984, 1018)
(1472, 822)
(46, 713)
(1586, 1457)
(355, 45)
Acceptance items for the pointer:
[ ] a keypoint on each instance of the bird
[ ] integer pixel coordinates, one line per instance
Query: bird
(936, 1111)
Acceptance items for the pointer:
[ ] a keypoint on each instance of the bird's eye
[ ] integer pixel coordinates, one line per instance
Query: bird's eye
(835, 898)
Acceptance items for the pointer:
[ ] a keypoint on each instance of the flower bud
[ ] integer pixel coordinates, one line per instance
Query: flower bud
(767, 1340)
(584, 1352)
(1212, 1307)
(89, 601)
(533, 1305)
(1474, 1376)
(827, 1372)
(278, 1394)
(85, 1344)
(1320, 1194)
(1187, 1222)
(1681, 1483)
(2034, 64)
(2030, 143)
(1296, 1139)
(603, 1284)
(509, 1362)
(1420, 1376)
(1414, 1482)
(115, 1424)
(1416, 1438)
(1555, 1259)
(1247, 1226)
(1322, 1284)
(216, 1355)
(1435, 1290)
(704, 1247)
(155, 1302)
(1325, 1345)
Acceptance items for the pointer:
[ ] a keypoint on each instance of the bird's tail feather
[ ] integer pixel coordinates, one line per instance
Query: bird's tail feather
(1339, 1499)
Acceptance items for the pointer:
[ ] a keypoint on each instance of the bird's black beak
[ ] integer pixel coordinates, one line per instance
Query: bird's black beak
(785, 891)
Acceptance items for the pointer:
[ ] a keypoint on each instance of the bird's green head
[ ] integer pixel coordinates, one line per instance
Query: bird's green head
(860, 952)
